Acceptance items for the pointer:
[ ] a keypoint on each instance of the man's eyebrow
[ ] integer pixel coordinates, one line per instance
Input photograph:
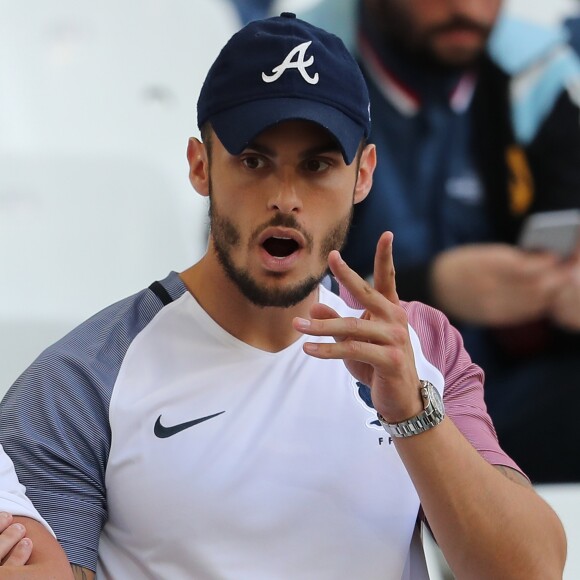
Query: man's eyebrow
(329, 147)
(260, 148)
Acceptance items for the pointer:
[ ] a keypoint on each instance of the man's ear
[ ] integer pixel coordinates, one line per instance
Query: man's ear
(198, 166)
(367, 164)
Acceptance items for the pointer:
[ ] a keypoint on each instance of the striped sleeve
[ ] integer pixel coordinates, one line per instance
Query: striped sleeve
(55, 423)
(463, 394)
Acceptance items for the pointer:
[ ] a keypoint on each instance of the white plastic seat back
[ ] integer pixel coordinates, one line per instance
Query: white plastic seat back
(97, 103)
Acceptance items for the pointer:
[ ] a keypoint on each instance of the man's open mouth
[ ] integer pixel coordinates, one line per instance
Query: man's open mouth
(280, 247)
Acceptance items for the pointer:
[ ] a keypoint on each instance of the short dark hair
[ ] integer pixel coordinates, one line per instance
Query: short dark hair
(206, 132)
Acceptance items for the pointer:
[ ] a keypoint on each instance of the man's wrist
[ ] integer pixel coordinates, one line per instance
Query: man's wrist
(403, 413)
(432, 414)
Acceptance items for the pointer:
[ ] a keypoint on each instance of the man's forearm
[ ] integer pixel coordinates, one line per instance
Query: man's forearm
(487, 525)
(81, 573)
(32, 572)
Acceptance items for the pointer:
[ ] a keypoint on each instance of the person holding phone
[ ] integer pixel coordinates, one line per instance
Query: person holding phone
(477, 127)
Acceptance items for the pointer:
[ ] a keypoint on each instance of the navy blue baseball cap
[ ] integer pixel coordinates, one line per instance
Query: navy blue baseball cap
(280, 69)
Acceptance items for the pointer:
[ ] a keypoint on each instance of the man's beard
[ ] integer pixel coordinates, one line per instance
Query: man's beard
(226, 236)
(395, 28)
(426, 49)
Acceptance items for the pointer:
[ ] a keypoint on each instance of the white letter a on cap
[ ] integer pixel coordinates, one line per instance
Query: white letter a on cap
(301, 63)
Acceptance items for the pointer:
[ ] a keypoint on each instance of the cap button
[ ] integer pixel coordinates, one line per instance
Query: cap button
(288, 15)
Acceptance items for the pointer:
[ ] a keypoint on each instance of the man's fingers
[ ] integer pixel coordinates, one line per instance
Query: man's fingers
(350, 328)
(318, 312)
(352, 350)
(384, 275)
(5, 520)
(323, 311)
(20, 554)
(360, 289)
(358, 330)
(384, 272)
(10, 537)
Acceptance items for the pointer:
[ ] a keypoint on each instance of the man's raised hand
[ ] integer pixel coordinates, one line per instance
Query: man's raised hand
(375, 347)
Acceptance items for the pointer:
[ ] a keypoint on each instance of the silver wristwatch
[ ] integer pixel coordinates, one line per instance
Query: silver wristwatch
(433, 413)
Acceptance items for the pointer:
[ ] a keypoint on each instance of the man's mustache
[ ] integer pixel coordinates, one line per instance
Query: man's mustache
(285, 221)
(280, 219)
(460, 24)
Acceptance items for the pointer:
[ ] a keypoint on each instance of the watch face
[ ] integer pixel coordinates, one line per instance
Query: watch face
(434, 396)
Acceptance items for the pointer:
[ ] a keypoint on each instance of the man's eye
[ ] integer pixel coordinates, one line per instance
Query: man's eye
(253, 162)
(316, 165)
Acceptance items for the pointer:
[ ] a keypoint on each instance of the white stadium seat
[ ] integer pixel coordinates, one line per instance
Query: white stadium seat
(98, 100)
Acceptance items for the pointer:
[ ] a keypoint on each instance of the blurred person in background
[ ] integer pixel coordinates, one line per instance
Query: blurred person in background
(249, 10)
(476, 124)
(572, 23)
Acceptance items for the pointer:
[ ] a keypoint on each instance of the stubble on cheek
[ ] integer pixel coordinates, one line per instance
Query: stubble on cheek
(228, 231)
(336, 238)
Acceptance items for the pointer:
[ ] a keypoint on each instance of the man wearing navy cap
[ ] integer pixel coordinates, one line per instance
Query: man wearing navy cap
(240, 420)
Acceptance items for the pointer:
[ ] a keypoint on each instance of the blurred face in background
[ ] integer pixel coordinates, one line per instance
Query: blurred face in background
(448, 33)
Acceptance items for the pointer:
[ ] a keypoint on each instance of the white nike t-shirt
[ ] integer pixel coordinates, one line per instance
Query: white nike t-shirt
(285, 476)
(163, 447)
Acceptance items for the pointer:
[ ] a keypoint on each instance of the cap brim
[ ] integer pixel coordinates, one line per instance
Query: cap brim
(238, 126)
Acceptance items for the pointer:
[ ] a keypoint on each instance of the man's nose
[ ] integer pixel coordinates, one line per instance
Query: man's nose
(285, 197)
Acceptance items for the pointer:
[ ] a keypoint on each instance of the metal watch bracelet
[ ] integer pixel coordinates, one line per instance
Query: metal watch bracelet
(432, 414)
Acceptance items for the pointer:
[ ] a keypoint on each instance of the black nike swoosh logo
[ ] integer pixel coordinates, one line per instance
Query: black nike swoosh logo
(163, 432)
